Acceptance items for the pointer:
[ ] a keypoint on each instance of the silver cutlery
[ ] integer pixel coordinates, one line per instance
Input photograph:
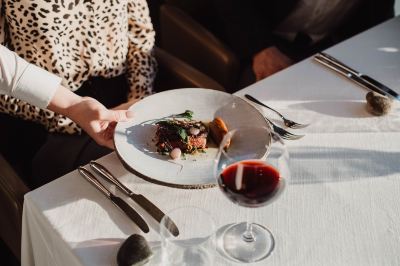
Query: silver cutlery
(287, 122)
(342, 71)
(128, 210)
(283, 132)
(355, 76)
(142, 201)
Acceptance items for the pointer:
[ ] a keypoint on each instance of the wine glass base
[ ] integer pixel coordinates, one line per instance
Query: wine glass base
(237, 248)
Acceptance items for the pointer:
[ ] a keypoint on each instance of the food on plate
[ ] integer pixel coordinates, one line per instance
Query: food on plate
(189, 136)
(178, 135)
(175, 153)
(218, 130)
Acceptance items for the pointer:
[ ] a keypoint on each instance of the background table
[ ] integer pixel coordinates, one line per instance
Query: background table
(342, 207)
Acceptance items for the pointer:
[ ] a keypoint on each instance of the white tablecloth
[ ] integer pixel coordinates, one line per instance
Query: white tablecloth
(341, 208)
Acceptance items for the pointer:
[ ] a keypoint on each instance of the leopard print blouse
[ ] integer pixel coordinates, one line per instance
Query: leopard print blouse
(78, 39)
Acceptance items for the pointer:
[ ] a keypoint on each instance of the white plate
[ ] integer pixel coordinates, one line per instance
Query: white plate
(136, 148)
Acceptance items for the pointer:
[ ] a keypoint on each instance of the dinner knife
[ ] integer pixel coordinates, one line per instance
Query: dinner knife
(128, 210)
(372, 82)
(347, 74)
(141, 200)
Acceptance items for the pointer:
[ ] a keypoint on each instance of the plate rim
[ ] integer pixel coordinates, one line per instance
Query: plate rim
(176, 185)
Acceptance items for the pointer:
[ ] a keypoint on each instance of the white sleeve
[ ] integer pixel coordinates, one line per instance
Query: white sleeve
(26, 81)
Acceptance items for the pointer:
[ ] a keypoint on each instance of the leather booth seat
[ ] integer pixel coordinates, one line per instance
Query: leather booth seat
(181, 34)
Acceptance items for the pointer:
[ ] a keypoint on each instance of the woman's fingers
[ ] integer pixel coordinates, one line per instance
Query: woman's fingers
(115, 115)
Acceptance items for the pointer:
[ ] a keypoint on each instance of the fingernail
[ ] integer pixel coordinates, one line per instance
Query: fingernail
(130, 114)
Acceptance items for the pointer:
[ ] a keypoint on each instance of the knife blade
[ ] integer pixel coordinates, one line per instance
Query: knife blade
(141, 200)
(125, 207)
(347, 74)
(378, 85)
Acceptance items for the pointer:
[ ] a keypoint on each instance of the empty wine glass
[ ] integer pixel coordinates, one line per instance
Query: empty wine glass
(252, 170)
(195, 243)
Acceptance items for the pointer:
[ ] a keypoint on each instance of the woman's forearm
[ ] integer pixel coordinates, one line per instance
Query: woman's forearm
(63, 100)
(26, 81)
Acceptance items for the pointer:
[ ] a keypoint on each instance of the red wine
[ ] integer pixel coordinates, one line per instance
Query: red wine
(250, 183)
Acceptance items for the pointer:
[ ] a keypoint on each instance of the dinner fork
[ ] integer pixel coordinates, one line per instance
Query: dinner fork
(287, 122)
(283, 132)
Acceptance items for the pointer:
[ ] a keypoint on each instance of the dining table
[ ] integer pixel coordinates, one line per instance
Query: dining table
(341, 206)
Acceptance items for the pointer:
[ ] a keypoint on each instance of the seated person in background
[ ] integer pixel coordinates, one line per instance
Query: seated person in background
(268, 36)
(102, 50)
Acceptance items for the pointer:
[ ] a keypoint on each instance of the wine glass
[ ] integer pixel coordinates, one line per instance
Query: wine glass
(251, 168)
(195, 243)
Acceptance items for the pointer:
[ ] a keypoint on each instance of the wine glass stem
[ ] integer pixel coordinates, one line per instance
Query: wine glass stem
(248, 235)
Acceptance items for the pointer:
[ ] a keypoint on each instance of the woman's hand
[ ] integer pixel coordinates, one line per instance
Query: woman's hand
(98, 121)
(125, 105)
(93, 117)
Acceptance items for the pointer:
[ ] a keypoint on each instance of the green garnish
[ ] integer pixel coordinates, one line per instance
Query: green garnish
(173, 126)
(182, 133)
(187, 114)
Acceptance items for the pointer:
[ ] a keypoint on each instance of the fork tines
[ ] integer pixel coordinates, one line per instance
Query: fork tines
(283, 132)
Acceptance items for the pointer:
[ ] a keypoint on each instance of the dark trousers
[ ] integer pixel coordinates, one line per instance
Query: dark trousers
(47, 156)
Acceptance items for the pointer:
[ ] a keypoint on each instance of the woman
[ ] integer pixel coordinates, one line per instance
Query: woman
(101, 49)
